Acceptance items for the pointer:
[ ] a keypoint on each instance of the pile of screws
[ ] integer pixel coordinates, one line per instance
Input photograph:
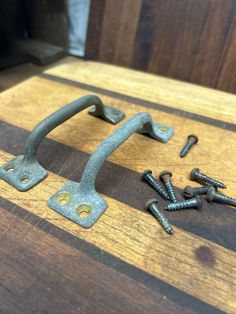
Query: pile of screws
(192, 195)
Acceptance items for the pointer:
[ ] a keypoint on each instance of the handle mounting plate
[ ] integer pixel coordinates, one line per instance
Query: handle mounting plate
(78, 206)
(22, 175)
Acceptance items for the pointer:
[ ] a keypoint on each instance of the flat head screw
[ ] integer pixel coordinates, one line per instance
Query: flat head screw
(153, 207)
(196, 175)
(195, 202)
(192, 139)
(152, 181)
(213, 196)
(190, 192)
(165, 176)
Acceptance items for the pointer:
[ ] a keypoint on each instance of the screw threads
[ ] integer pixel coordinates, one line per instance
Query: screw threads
(201, 190)
(213, 196)
(189, 192)
(191, 203)
(192, 139)
(211, 181)
(154, 208)
(186, 149)
(151, 180)
(229, 200)
(165, 176)
(196, 175)
(171, 191)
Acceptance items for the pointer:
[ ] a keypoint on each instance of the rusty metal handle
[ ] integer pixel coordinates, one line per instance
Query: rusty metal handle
(77, 199)
(24, 171)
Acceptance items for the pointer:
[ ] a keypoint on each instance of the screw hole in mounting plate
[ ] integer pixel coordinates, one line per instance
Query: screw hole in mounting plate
(9, 168)
(163, 129)
(63, 198)
(24, 179)
(83, 210)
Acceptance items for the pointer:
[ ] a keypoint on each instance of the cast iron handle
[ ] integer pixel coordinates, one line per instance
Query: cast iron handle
(24, 171)
(80, 202)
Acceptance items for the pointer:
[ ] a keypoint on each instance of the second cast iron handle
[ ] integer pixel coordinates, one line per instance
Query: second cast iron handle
(80, 202)
(24, 171)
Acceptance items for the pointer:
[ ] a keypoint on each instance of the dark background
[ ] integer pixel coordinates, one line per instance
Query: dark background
(189, 40)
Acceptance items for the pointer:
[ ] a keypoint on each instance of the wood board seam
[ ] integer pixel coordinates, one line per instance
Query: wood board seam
(128, 202)
(142, 102)
(133, 272)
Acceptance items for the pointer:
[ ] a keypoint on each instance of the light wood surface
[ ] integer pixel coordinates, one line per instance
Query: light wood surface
(199, 260)
(192, 98)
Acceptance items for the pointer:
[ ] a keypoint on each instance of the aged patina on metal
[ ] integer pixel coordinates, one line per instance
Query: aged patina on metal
(165, 176)
(80, 202)
(195, 202)
(191, 140)
(153, 207)
(213, 196)
(24, 171)
(196, 175)
(152, 181)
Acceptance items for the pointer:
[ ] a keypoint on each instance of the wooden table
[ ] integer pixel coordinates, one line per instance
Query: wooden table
(125, 263)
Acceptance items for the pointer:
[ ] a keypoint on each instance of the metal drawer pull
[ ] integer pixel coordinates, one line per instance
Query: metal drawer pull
(24, 171)
(80, 202)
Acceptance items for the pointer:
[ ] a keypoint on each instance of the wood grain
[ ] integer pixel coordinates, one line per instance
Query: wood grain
(125, 186)
(76, 282)
(198, 261)
(174, 94)
(185, 39)
(226, 79)
(49, 96)
(118, 232)
(95, 28)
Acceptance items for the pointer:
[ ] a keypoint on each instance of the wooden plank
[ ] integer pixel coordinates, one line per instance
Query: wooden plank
(118, 232)
(166, 297)
(125, 186)
(203, 244)
(109, 32)
(174, 94)
(94, 29)
(173, 46)
(52, 95)
(126, 35)
(76, 282)
(184, 39)
(210, 53)
(226, 79)
(190, 51)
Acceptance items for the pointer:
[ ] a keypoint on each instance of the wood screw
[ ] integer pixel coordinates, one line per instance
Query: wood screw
(195, 202)
(152, 206)
(152, 181)
(196, 175)
(213, 196)
(165, 176)
(190, 192)
(192, 139)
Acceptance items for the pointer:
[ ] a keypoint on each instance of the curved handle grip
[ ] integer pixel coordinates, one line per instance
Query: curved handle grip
(81, 198)
(24, 171)
(107, 113)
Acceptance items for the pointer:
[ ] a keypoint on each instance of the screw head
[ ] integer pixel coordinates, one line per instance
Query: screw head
(145, 173)
(164, 173)
(149, 202)
(193, 174)
(199, 202)
(211, 194)
(194, 137)
(188, 192)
